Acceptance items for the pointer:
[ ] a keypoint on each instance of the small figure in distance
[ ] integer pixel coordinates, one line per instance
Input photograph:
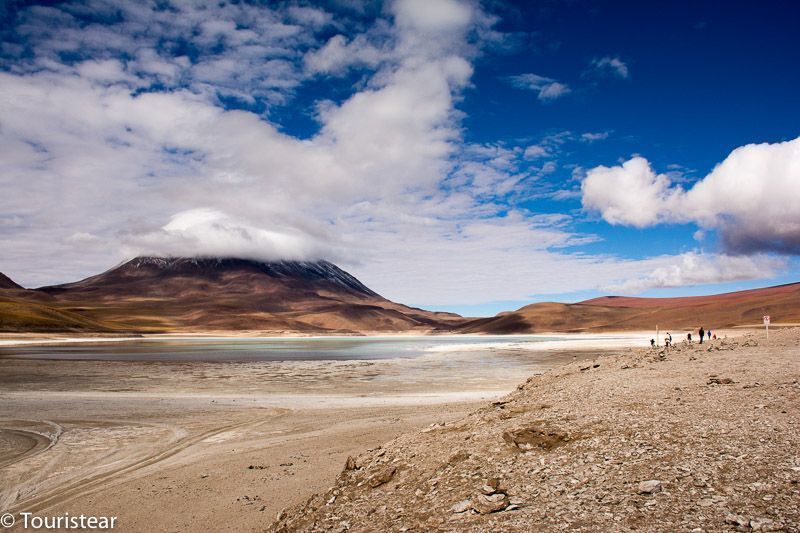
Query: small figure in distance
(670, 338)
(702, 334)
(715, 336)
(652, 343)
(689, 337)
(667, 341)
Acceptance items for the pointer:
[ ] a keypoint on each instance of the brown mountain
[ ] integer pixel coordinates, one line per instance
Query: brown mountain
(7, 283)
(23, 310)
(184, 294)
(619, 313)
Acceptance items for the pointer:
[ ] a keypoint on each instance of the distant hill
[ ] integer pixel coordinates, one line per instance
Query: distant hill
(620, 313)
(7, 283)
(190, 294)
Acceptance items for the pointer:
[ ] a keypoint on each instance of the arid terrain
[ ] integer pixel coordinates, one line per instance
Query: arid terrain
(694, 438)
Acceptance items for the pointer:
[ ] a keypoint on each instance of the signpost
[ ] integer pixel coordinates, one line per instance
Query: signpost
(766, 325)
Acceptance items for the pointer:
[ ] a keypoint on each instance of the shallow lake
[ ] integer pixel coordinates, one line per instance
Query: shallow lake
(249, 349)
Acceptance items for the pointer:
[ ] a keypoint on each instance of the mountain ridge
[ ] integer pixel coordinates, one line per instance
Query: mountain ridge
(621, 313)
(227, 294)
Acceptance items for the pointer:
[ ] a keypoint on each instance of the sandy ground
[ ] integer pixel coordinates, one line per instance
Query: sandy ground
(215, 446)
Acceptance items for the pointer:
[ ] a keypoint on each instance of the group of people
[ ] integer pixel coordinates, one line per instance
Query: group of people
(701, 332)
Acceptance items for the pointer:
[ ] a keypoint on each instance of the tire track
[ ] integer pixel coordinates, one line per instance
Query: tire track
(84, 486)
(41, 441)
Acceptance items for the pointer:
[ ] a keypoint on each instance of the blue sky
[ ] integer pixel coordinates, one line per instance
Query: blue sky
(454, 155)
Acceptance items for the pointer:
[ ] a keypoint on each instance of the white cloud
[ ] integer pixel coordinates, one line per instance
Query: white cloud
(693, 268)
(630, 194)
(751, 197)
(612, 66)
(536, 151)
(432, 17)
(212, 233)
(238, 50)
(592, 137)
(338, 55)
(547, 89)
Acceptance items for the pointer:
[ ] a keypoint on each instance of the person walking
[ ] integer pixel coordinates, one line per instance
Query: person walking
(702, 334)
(689, 337)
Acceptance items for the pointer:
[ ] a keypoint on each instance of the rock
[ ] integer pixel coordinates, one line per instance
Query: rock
(736, 520)
(490, 486)
(350, 463)
(649, 487)
(761, 524)
(485, 504)
(462, 506)
(384, 476)
(719, 381)
(535, 437)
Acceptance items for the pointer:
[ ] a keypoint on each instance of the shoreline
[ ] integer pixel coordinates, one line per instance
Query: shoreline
(15, 339)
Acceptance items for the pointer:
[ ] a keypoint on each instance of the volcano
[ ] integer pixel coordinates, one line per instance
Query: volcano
(214, 294)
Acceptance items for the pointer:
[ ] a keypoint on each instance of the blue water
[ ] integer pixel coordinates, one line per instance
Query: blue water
(222, 349)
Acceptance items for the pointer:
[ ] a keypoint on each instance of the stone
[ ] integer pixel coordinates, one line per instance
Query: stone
(350, 463)
(485, 504)
(462, 506)
(736, 520)
(650, 486)
(761, 524)
(535, 437)
(384, 476)
(490, 486)
(720, 381)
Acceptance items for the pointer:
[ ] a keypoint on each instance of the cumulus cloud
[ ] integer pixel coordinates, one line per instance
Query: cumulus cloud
(547, 89)
(609, 66)
(752, 198)
(693, 268)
